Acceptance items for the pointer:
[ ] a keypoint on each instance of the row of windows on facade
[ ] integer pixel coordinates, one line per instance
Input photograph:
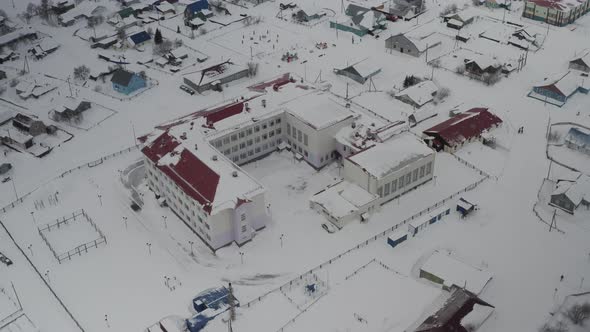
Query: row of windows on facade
(404, 180)
(195, 214)
(259, 149)
(297, 134)
(301, 150)
(248, 132)
(251, 142)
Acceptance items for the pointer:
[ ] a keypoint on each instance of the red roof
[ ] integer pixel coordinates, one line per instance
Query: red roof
(464, 126)
(193, 176)
(279, 81)
(223, 112)
(553, 4)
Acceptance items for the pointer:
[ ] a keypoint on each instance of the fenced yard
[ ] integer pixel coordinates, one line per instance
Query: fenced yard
(72, 235)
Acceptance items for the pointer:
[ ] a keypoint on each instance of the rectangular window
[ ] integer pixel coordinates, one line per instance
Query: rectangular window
(305, 153)
(415, 175)
(305, 139)
(271, 133)
(257, 139)
(243, 155)
(264, 136)
(243, 217)
(278, 120)
(256, 129)
(265, 146)
(249, 142)
(401, 182)
(244, 228)
(264, 126)
(294, 133)
(234, 137)
(386, 189)
(226, 140)
(249, 131)
(271, 123)
(299, 136)
(422, 171)
(408, 178)
(278, 131)
(428, 168)
(257, 149)
(234, 148)
(300, 150)
(393, 186)
(251, 153)
(242, 134)
(242, 145)
(288, 129)
(380, 191)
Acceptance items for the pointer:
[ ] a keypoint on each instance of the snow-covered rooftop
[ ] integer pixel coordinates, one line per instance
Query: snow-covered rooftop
(343, 198)
(577, 192)
(420, 93)
(392, 155)
(456, 272)
(319, 110)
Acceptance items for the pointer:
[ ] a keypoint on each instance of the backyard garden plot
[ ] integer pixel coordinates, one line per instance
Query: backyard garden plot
(574, 155)
(72, 235)
(90, 118)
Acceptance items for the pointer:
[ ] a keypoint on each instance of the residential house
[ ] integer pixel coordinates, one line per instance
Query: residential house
(391, 168)
(555, 12)
(14, 137)
(498, 3)
(86, 9)
(308, 14)
(360, 72)
(414, 42)
(62, 6)
(460, 19)
(213, 77)
(126, 82)
(71, 110)
(460, 129)
(420, 115)
(192, 9)
(138, 38)
(166, 7)
(569, 196)
(559, 88)
(453, 312)
(483, 65)
(13, 37)
(406, 9)
(360, 21)
(29, 125)
(419, 94)
(581, 61)
(125, 12)
(578, 139)
(43, 48)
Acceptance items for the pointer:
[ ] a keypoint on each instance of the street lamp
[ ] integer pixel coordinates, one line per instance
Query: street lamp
(242, 256)
(125, 221)
(282, 235)
(30, 249)
(33, 215)
(149, 245)
(165, 223)
(47, 275)
(100, 199)
(191, 243)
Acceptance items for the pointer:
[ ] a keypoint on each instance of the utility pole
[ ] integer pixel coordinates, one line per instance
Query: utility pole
(69, 85)
(346, 90)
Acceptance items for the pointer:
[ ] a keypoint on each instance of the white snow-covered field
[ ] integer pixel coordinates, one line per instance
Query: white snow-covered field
(125, 279)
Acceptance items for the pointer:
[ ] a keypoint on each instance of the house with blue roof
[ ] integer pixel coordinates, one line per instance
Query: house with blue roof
(194, 8)
(126, 82)
(139, 38)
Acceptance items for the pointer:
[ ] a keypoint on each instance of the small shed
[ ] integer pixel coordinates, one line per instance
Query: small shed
(397, 238)
(427, 219)
(465, 207)
(127, 82)
(360, 72)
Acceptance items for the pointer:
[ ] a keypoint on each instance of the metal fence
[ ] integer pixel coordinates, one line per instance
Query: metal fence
(79, 250)
(365, 243)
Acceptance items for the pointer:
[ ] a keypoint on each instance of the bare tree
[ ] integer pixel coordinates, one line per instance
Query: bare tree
(81, 73)
(449, 9)
(202, 31)
(441, 94)
(490, 79)
(94, 21)
(460, 69)
(44, 9)
(578, 313)
(13, 82)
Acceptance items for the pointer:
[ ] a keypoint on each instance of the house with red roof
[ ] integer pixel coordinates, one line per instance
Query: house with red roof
(461, 129)
(555, 12)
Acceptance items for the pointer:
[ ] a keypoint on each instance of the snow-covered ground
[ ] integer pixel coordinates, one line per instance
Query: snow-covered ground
(125, 278)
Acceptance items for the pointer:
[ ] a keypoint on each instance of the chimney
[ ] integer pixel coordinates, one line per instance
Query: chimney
(214, 157)
(234, 174)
